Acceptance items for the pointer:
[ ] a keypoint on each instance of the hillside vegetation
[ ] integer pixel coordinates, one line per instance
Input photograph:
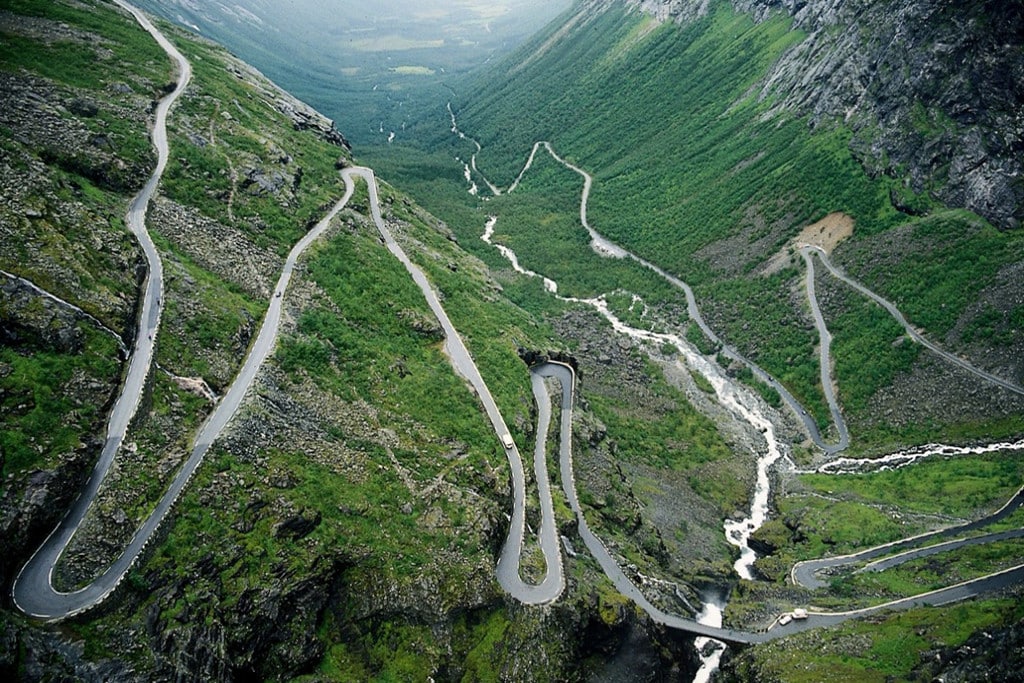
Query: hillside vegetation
(702, 169)
(696, 171)
(346, 526)
(347, 523)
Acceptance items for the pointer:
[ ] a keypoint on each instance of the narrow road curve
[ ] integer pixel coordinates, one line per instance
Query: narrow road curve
(804, 573)
(967, 589)
(33, 591)
(567, 379)
(911, 331)
(824, 354)
(508, 563)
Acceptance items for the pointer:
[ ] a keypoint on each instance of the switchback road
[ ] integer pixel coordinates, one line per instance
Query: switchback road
(33, 590)
(961, 591)
(553, 583)
(911, 331)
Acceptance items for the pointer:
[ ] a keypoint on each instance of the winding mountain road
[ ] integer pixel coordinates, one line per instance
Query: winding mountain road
(553, 583)
(807, 250)
(961, 591)
(33, 591)
(602, 245)
(802, 573)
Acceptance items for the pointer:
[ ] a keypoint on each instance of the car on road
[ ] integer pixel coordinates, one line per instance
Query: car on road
(506, 440)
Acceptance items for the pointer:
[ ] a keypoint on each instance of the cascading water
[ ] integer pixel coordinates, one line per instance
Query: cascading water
(732, 396)
(708, 649)
(736, 398)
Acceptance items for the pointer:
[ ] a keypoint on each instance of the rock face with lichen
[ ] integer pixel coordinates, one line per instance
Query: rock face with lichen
(933, 90)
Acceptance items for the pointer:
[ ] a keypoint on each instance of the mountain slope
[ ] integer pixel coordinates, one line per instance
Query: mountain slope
(706, 163)
(931, 91)
(716, 152)
(347, 524)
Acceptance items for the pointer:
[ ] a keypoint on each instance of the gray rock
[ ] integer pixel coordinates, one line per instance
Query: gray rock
(933, 91)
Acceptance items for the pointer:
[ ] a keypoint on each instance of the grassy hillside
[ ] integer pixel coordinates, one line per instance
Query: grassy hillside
(693, 172)
(347, 524)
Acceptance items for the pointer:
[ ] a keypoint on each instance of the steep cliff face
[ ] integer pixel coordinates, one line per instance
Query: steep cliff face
(933, 90)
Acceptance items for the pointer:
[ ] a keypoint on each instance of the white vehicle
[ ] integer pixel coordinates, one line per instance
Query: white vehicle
(506, 439)
(799, 613)
(785, 619)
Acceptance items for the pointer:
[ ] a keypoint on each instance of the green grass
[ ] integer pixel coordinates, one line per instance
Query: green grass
(964, 486)
(870, 350)
(878, 649)
(254, 137)
(49, 422)
(353, 349)
(844, 513)
(672, 435)
(125, 50)
(203, 315)
(957, 254)
(683, 169)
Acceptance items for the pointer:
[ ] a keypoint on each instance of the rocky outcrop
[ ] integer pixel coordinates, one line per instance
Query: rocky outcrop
(32, 503)
(676, 10)
(990, 655)
(267, 633)
(53, 141)
(37, 113)
(933, 91)
(303, 116)
(48, 657)
(30, 319)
